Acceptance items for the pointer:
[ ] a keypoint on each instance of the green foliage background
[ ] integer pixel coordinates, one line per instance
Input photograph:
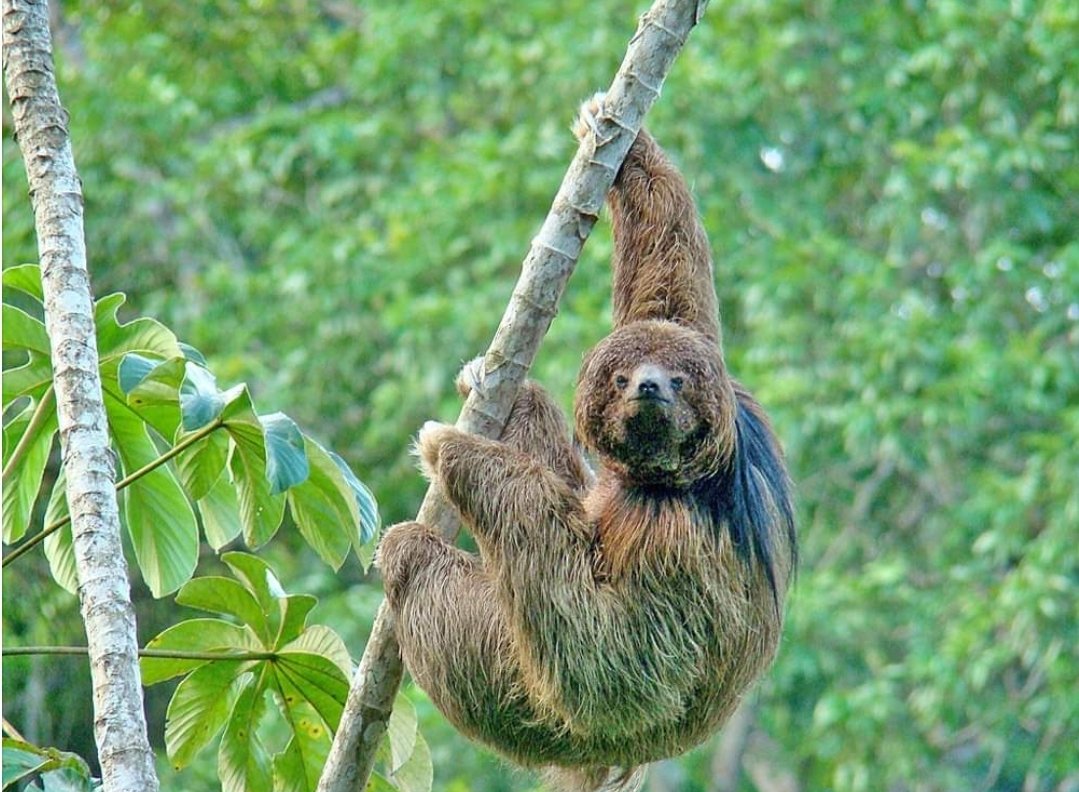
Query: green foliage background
(332, 199)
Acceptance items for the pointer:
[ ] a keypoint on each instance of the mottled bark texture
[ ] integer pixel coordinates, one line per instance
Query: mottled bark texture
(550, 261)
(127, 763)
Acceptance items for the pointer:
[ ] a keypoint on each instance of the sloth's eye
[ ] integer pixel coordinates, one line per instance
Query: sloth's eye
(676, 384)
(621, 381)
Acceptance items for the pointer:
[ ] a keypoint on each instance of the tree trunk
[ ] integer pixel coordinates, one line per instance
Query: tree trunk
(547, 267)
(127, 763)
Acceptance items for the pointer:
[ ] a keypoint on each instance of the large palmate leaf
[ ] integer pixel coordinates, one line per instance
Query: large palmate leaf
(270, 651)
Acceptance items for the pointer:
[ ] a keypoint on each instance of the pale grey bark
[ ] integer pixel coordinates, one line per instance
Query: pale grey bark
(547, 267)
(127, 763)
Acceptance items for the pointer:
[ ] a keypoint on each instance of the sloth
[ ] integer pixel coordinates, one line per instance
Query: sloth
(614, 618)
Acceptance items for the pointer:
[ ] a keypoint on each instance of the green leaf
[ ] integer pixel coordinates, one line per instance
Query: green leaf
(286, 459)
(261, 511)
(134, 368)
(294, 612)
(114, 340)
(199, 467)
(194, 635)
(220, 512)
(289, 774)
(198, 709)
(200, 400)
(298, 767)
(401, 732)
(60, 545)
(318, 680)
(23, 482)
(377, 782)
(159, 518)
(257, 576)
(229, 597)
(60, 771)
(151, 387)
(370, 522)
(324, 508)
(30, 379)
(25, 278)
(20, 759)
(321, 640)
(24, 332)
(193, 354)
(417, 773)
(242, 763)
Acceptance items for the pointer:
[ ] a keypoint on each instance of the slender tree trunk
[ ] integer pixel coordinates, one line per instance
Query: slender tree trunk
(127, 763)
(547, 267)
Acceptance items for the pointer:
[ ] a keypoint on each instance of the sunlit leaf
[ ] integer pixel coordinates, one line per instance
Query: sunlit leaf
(23, 482)
(242, 762)
(158, 516)
(417, 772)
(25, 278)
(260, 510)
(321, 640)
(59, 545)
(294, 612)
(220, 513)
(24, 332)
(402, 732)
(229, 597)
(257, 576)
(200, 466)
(193, 635)
(151, 386)
(198, 709)
(324, 508)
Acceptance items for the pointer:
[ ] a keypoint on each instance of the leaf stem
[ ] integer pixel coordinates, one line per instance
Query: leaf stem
(179, 448)
(41, 413)
(170, 654)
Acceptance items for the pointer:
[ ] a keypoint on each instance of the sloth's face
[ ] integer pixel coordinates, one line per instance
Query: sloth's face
(650, 400)
(651, 419)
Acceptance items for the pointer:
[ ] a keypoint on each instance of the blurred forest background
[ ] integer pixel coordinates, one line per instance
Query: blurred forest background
(331, 199)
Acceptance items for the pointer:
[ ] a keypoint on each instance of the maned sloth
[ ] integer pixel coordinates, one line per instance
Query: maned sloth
(613, 620)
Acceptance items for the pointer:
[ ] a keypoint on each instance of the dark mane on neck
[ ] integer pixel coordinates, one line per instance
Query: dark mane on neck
(752, 497)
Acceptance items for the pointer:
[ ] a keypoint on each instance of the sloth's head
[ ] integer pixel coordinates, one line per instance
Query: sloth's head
(654, 402)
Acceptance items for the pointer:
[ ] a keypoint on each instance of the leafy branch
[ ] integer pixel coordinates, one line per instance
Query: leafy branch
(56, 525)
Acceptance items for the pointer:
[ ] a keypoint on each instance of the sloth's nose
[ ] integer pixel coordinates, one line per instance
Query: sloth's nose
(648, 387)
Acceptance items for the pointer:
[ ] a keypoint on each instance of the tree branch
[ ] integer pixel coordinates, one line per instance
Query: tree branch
(127, 763)
(168, 654)
(547, 267)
